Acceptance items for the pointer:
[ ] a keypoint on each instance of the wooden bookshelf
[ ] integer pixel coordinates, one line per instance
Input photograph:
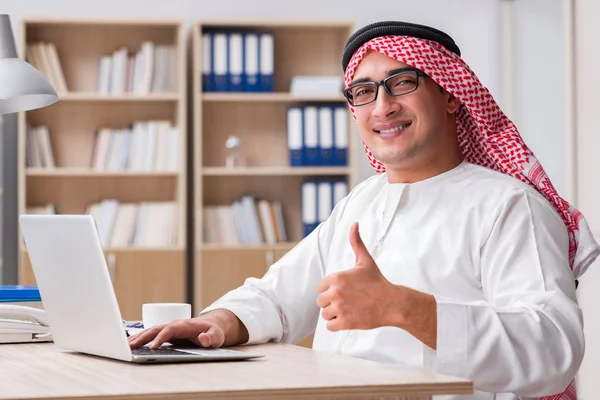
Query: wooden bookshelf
(260, 120)
(141, 272)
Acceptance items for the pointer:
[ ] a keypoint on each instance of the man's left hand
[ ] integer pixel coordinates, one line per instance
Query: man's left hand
(357, 298)
(362, 298)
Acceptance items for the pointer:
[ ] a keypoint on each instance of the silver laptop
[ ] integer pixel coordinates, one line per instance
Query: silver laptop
(78, 297)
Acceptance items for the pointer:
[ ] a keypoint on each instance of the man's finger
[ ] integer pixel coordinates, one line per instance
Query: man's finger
(363, 256)
(212, 337)
(329, 313)
(323, 285)
(168, 332)
(323, 300)
(335, 325)
(144, 337)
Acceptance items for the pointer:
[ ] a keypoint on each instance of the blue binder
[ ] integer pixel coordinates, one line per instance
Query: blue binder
(220, 61)
(19, 293)
(208, 82)
(295, 125)
(326, 129)
(311, 136)
(309, 207)
(250, 78)
(266, 62)
(340, 134)
(236, 61)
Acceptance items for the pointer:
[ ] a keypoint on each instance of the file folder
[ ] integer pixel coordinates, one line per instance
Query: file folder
(267, 62)
(309, 207)
(220, 63)
(250, 76)
(341, 132)
(208, 84)
(236, 61)
(325, 157)
(325, 200)
(294, 136)
(311, 136)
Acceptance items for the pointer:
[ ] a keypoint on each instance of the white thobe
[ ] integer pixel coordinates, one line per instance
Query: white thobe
(490, 249)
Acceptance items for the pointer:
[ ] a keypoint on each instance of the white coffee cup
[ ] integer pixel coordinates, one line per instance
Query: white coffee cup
(164, 313)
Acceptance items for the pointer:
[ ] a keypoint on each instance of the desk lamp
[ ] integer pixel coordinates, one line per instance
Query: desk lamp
(22, 87)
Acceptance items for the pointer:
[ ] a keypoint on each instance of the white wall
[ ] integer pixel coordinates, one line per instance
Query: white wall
(539, 92)
(474, 24)
(588, 193)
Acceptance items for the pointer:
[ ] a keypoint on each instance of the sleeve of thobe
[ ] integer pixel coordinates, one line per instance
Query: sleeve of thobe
(527, 336)
(282, 305)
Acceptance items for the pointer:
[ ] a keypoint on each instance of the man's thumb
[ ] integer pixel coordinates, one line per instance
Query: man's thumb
(360, 251)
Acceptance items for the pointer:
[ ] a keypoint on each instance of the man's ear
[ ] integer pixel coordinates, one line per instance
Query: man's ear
(453, 104)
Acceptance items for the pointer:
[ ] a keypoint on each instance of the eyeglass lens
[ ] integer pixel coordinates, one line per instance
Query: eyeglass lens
(402, 83)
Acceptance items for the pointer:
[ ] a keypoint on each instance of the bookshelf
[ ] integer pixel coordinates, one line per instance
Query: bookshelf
(259, 119)
(122, 102)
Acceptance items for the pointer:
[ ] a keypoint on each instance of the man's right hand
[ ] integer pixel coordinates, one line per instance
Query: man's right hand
(214, 329)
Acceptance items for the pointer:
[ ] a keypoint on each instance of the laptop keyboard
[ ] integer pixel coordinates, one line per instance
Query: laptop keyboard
(145, 351)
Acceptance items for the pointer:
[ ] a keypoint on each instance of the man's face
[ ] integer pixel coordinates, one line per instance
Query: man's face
(405, 131)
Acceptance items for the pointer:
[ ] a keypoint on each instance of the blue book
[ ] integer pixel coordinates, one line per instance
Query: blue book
(311, 136)
(266, 62)
(340, 136)
(19, 293)
(236, 61)
(326, 128)
(220, 57)
(294, 136)
(208, 78)
(309, 207)
(250, 80)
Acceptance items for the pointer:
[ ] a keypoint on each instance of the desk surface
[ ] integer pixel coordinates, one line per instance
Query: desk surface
(42, 371)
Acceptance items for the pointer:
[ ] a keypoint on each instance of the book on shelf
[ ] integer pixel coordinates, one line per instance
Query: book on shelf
(41, 209)
(237, 60)
(145, 146)
(38, 148)
(129, 224)
(319, 198)
(317, 135)
(246, 221)
(152, 69)
(44, 57)
(144, 224)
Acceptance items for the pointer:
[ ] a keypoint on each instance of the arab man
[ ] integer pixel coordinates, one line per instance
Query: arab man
(457, 257)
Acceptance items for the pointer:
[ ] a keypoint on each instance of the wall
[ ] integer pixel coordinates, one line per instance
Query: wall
(539, 92)
(588, 191)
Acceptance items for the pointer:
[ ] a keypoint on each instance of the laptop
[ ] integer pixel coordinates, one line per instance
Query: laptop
(78, 297)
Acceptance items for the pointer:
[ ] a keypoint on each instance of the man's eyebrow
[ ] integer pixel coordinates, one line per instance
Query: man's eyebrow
(388, 73)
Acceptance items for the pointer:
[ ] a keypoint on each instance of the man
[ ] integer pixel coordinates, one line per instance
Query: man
(459, 257)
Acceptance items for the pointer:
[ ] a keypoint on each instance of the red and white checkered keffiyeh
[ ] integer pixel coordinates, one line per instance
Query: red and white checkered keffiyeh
(486, 136)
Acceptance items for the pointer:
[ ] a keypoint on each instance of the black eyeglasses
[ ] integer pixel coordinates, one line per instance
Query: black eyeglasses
(398, 84)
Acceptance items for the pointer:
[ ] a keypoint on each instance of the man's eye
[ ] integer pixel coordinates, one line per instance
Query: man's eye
(362, 92)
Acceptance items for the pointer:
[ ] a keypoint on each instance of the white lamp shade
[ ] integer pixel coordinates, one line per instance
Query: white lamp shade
(22, 87)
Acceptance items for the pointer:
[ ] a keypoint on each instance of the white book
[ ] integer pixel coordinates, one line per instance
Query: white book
(107, 214)
(264, 210)
(104, 74)
(123, 230)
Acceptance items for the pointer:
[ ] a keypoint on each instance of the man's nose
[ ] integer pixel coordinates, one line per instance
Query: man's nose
(385, 105)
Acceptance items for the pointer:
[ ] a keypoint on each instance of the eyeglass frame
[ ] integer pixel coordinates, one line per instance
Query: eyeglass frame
(418, 73)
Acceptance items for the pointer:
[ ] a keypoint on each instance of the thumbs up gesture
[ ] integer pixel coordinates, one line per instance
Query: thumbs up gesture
(359, 297)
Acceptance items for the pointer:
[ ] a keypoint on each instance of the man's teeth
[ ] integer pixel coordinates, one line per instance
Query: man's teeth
(394, 129)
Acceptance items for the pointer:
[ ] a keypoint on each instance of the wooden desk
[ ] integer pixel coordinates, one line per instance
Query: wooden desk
(42, 371)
